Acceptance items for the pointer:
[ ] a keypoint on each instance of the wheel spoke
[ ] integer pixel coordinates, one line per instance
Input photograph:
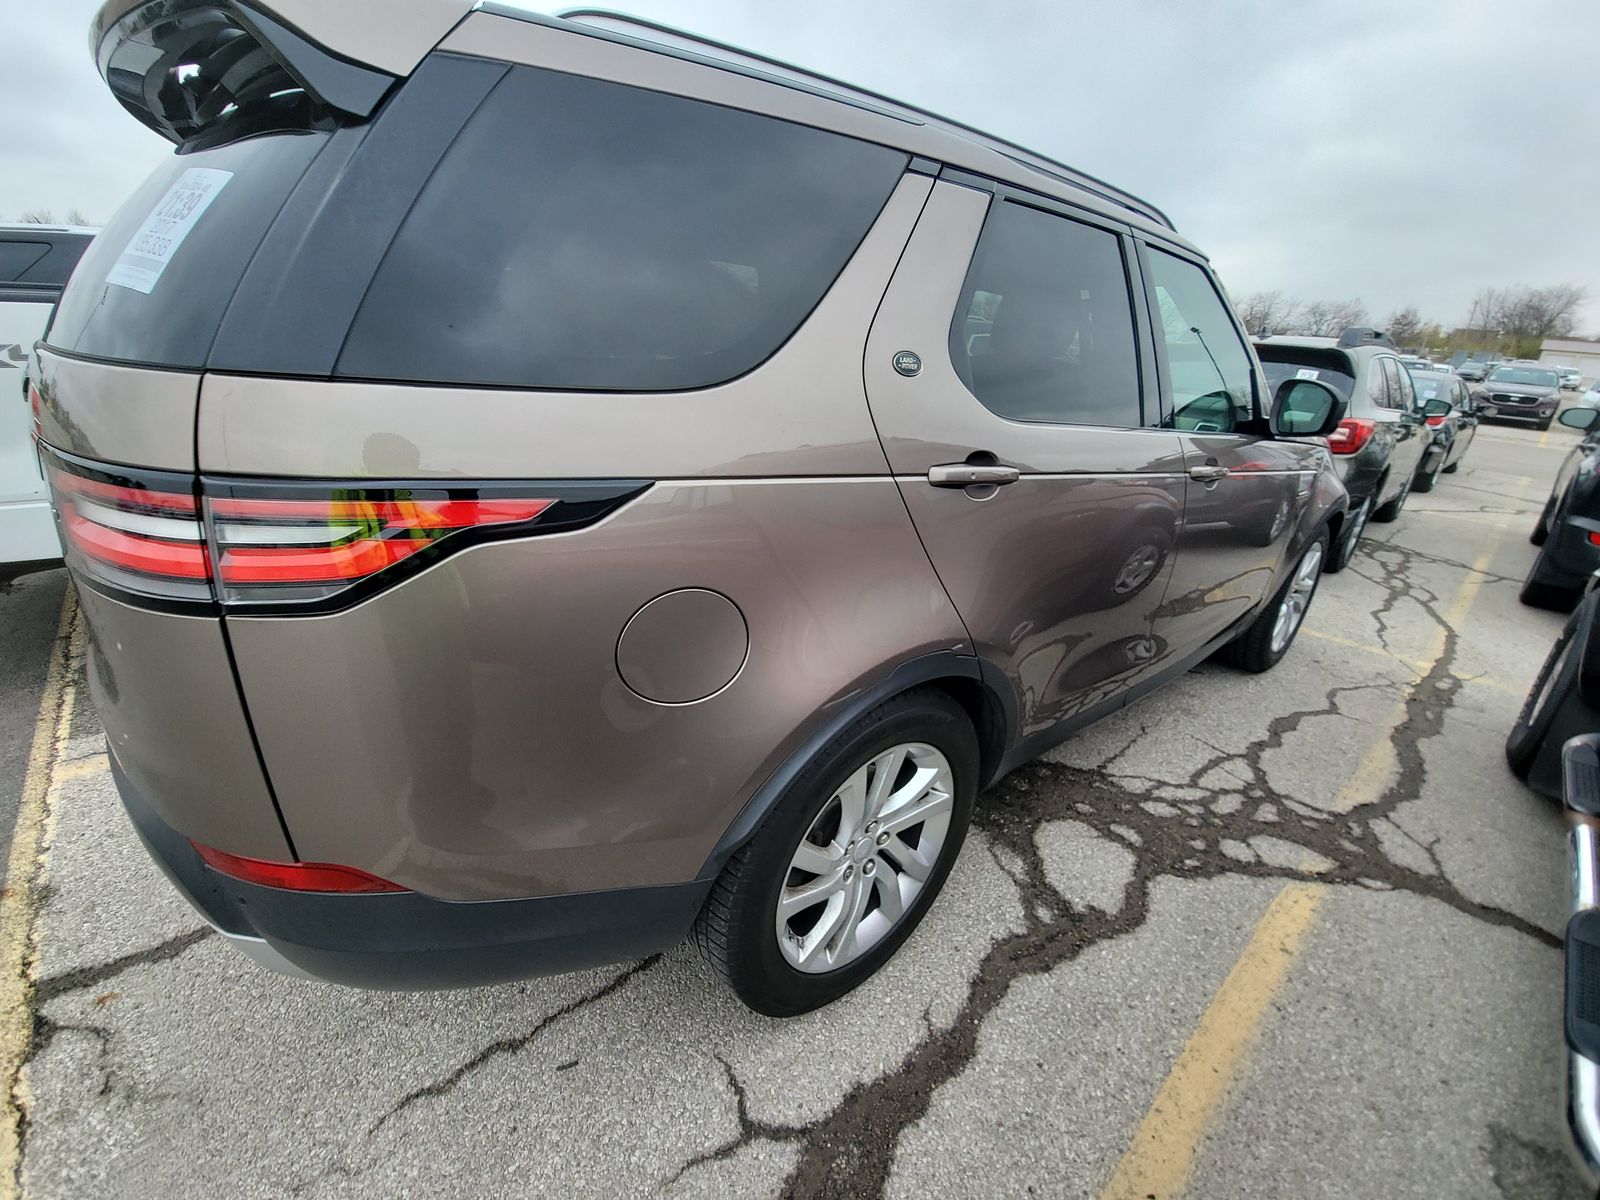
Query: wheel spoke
(930, 805)
(826, 931)
(819, 860)
(843, 943)
(852, 797)
(887, 883)
(885, 770)
(911, 861)
(795, 900)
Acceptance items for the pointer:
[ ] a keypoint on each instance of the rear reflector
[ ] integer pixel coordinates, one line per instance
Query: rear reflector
(296, 876)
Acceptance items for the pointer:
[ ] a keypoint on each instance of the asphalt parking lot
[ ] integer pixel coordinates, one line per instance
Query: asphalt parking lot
(1286, 935)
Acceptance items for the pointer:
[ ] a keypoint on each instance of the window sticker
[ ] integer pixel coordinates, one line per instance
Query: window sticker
(1307, 373)
(163, 231)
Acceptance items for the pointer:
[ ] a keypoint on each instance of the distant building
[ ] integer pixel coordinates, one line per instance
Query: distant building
(1572, 352)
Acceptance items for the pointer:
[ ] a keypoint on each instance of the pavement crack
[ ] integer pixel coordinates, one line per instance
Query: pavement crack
(81, 977)
(850, 1150)
(511, 1045)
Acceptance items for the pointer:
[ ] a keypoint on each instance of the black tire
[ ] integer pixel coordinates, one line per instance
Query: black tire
(1252, 650)
(1391, 510)
(1541, 531)
(1452, 468)
(1556, 681)
(1424, 483)
(1355, 524)
(736, 930)
(1544, 424)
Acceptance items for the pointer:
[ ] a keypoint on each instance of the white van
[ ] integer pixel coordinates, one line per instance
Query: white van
(35, 262)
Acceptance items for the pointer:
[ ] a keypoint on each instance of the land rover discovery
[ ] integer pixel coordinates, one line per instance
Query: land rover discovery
(538, 486)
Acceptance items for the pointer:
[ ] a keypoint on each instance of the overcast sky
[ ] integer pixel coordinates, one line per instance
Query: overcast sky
(1401, 153)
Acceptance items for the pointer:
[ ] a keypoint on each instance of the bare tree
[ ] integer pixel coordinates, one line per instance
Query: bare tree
(1330, 318)
(1266, 313)
(76, 216)
(1538, 313)
(38, 216)
(1406, 327)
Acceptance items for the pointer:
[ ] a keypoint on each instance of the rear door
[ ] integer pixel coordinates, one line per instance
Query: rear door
(1247, 493)
(1412, 437)
(1011, 392)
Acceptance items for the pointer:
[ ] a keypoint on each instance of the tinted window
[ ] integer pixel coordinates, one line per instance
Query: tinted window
(17, 257)
(173, 323)
(586, 235)
(1211, 373)
(1340, 381)
(1044, 330)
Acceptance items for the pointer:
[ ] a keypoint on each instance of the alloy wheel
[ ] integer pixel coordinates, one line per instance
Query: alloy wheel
(1292, 608)
(865, 858)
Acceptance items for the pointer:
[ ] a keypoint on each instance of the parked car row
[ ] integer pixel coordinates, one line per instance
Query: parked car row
(1400, 431)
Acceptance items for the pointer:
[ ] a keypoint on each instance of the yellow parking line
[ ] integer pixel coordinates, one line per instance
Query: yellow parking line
(1161, 1157)
(18, 951)
(1544, 438)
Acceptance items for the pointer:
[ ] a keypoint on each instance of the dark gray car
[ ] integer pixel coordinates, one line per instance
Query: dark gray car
(1452, 429)
(1522, 393)
(1380, 444)
(539, 488)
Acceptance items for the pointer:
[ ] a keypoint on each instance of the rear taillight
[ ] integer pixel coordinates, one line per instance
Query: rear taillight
(1352, 434)
(140, 536)
(308, 547)
(288, 547)
(1437, 422)
(294, 876)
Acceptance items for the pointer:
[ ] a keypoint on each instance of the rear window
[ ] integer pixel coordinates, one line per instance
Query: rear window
(186, 273)
(1322, 370)
(588, 235)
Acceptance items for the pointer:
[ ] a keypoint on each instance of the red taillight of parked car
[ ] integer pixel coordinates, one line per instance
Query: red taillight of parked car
(161, 539)
(1437, 422)
(294, 876)
(1594, 539)
(277, 548)
(1352, 434)
(134, 535)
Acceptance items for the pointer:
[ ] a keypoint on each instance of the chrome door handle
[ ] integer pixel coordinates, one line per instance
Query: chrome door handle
(960, 475)
(1207, 474)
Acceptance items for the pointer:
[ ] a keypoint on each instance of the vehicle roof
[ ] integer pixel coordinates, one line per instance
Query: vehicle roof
(33, 227)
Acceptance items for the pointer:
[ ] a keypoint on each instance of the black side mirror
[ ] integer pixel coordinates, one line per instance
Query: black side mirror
(1580, 418)
(1436, 408)
(1306, 408)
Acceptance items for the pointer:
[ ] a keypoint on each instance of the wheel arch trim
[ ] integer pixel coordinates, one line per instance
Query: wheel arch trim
(979, 686)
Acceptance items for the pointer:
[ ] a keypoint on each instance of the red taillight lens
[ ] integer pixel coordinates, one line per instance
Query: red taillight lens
(1437, 422)
(1594, 539)
(142, 535)
(1352, 434)
(308, 546)
(296, 876)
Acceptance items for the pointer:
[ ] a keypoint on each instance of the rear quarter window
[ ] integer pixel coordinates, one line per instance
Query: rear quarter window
(585, 235)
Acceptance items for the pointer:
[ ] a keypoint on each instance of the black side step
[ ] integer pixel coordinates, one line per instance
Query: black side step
(1583, 983)
(1580, 767)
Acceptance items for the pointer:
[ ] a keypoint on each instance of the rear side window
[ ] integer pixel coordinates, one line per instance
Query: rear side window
(1380, 385)
(1309, 367)
(17, 257)
(1044, 328)
(585, 235)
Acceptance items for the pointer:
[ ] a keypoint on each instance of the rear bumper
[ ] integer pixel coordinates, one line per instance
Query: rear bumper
(404, 940)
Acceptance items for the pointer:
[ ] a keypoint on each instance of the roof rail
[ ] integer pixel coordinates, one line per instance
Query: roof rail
(598, 18)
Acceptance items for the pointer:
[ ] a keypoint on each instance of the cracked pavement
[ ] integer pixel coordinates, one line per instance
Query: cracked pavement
(1016, 1043)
